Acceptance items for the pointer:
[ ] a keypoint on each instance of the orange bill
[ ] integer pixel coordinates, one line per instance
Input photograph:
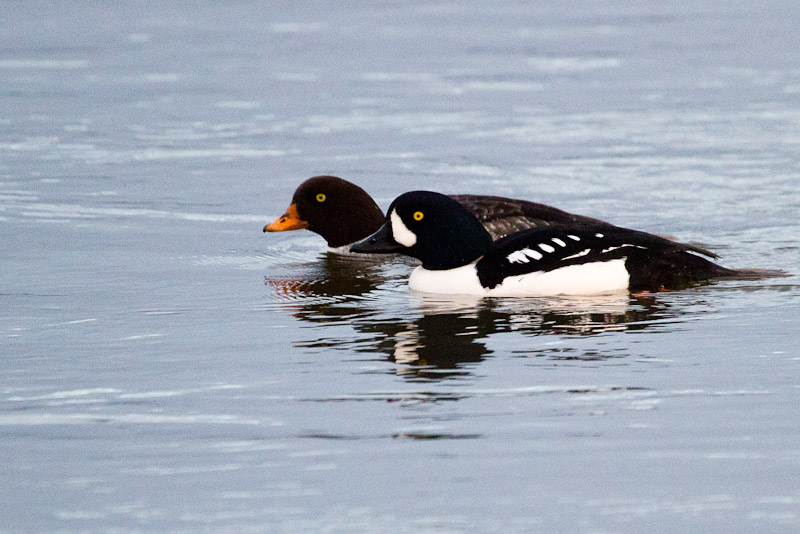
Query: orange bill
(288, 221)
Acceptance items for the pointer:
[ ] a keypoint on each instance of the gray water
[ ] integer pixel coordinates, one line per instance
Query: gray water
(166, 367)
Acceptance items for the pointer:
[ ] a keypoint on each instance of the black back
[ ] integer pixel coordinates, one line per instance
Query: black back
(654, 263)
(502, 216)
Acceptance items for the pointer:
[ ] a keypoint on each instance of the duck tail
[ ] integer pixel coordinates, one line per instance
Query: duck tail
(753, 274)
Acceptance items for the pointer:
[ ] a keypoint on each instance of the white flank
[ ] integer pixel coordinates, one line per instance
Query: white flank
(400, 231)
(458, 281)
(546, 248)
(595, 278)
(586, 279)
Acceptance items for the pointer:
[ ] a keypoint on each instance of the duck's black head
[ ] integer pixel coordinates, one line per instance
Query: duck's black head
(339, 211)
(431, 227)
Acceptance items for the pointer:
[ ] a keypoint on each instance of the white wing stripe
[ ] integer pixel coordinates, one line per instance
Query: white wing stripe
(522, 256)
(578, 255)
(609, 249)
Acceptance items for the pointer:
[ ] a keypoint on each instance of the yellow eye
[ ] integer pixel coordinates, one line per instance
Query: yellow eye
(321, 197)
(418, 215)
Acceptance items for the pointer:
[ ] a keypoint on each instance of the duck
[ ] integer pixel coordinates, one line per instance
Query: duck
(459, 256)
(343, 213)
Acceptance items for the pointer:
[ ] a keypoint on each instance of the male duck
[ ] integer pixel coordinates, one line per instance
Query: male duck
(342, 212)
(580, 258)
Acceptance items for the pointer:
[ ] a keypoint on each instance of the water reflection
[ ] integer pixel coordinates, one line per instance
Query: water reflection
(444, 339)
(451, 335)
(333, 278)
(363, 306)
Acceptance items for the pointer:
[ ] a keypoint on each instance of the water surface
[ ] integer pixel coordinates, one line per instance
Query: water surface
(166, 367)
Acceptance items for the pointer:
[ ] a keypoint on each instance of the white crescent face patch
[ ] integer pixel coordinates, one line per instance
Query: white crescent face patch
(400, 231)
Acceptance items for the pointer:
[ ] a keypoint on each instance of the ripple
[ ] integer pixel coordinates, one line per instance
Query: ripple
(509, 86)
(409, 122)
(621, 392)
(331, 278)
(413, 77)
(433, 435)
(43, 210)
(158, 154)
(129, 418)
(573, 64)
(59, 395)
(298, 27)
(66, 64)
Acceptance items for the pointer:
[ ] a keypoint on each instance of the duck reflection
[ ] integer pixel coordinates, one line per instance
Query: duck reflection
(334, 278)
(451, 336)
(436, 337)
(445, 340)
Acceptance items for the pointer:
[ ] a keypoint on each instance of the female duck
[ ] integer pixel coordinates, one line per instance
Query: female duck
(582, 258)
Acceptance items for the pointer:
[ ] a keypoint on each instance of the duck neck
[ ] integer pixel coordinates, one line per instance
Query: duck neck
(460, 245)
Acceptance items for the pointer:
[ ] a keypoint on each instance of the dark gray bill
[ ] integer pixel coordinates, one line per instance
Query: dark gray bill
(381, 242)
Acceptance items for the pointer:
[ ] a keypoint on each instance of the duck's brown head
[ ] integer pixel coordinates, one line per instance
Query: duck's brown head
(340, 211)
